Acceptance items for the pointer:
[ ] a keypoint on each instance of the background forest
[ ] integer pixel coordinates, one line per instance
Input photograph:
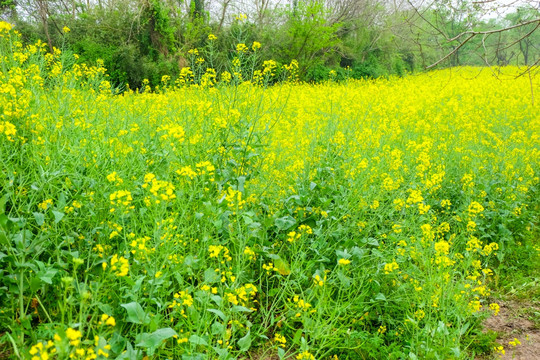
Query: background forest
(146, 39)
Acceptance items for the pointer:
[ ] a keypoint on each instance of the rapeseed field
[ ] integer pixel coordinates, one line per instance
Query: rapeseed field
(230, 216)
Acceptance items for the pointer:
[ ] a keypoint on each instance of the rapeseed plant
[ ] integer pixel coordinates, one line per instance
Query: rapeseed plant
(219, 215)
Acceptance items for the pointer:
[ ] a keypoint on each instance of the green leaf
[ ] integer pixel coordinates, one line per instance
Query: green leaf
(197, 340)
(238, 308)
(344, 279)
(218, 313)
(136, 313)
(221, 352)
(129, 354)
(3, 238)
(210, 276)
(245, 342)
(57, 216)
(218, 328)
(372, 242)
(154, 340)
(285, 222)
(282, 266)
(3, 201)
(3, 221)
(47, 275)
(297, 336)
(40, 218)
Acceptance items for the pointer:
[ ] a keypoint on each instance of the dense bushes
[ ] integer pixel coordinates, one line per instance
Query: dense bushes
(145, 39)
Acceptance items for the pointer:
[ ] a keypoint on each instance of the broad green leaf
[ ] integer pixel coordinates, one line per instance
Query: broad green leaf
(58, 216)
(238, 308)
(136, 313)
(218, 313)
(47, 275)
(245, 342)
(210, 276)
(40, 218)
(282, 266)
(153, 340)
(285, 222)
(197, 340)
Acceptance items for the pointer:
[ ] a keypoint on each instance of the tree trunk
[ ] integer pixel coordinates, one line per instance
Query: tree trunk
(44, 15)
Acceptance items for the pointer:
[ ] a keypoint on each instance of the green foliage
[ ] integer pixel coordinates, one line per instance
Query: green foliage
(308, 37)
(140, 40)
(6, 5)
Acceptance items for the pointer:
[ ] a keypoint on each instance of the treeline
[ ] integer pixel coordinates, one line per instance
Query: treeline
(146, 39)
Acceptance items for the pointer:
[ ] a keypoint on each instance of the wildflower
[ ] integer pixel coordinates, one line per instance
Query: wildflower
(74, 336)
(45, 204)
(390, 267)
(241, 17)
(212, 37)
(8, 129)
(442, 247)
(344, 262)
(445, 203)
(182, 298)
(5, 26)
(495, 308)
(415, 197)
(514, 342)
(256, 45)
(305, 355)
(250, 253)
(65, 29)
(280, 339)
(119, 266)
(107, 320)
(318, 280)
(241, 48)
(475, 208)
(293, 236)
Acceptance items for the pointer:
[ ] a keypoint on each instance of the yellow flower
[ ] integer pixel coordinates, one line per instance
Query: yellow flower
(305, 355)
(45, 204)
(241, 48)
(280, 339)
(5, 26)
(495, 308)
(107, 320)
(74, 336)
(514, 342)
(344, 262)
(119, 265)
(390, 267)
(241, 17)
(212, 37)
(65, 29)
(256, 45)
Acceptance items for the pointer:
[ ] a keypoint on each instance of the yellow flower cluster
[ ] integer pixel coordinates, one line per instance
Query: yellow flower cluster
(119, 265)
(161, 190)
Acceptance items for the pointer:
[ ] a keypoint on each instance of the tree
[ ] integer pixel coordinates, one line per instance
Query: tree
(457, 23)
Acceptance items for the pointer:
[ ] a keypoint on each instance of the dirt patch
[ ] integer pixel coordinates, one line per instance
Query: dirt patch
(515, 321)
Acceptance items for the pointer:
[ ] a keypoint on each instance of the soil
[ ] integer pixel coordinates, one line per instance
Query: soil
(514, 322)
